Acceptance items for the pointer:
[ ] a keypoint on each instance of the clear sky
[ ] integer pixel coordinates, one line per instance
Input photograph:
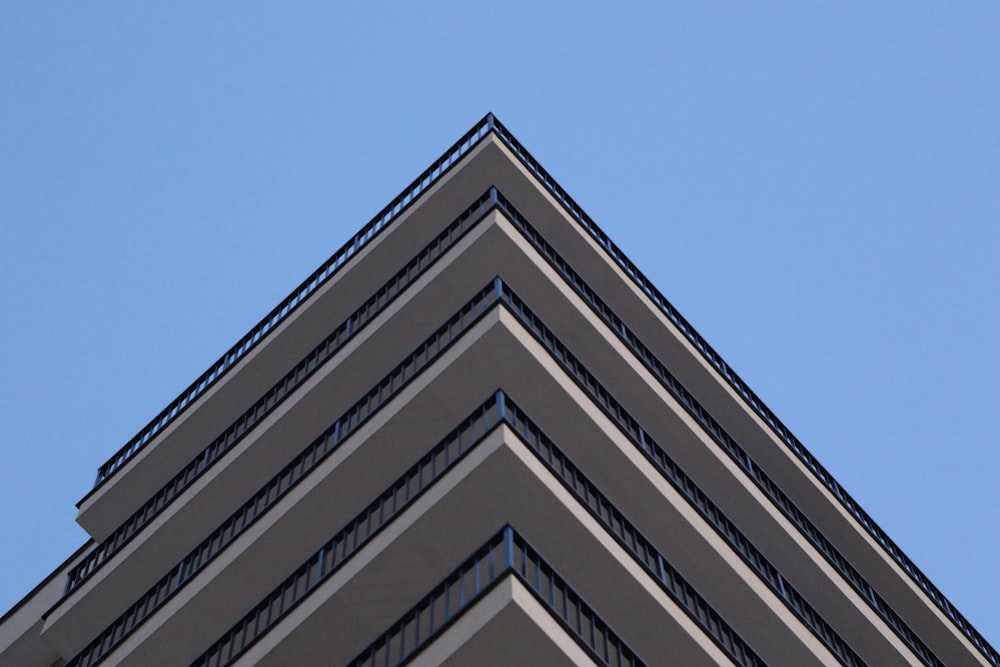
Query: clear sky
(814, 187)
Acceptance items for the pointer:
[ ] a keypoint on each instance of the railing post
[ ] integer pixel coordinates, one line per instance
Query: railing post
(508, 546)
(501, 405)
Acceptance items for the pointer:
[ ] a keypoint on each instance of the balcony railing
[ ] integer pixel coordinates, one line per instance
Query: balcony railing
(715, 430)
(683, 483)
(343, 427)
(657, 566)
(326, 350)
(490, 125)
(748, 395)
(505, 554)
(319, 277)
(435, 250)
(352, 537)
(498, 409)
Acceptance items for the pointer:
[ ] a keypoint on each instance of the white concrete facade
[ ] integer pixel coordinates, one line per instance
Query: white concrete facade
(478, 367)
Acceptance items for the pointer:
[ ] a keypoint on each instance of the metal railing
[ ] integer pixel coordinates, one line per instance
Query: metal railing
(319, 277)
(347, 424)
(683, 483)
(657, 565)
(505, 554)
(490, 125)
(351, 538)
(497, 409)
(434, 250)
(326, 349)
(715, 430)
(755, 403)
(359, 531)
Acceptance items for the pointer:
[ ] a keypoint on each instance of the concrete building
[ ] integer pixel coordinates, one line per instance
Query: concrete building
(478, 435)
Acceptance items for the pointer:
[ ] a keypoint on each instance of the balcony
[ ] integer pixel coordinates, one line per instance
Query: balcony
(531, 385)
(489, 154)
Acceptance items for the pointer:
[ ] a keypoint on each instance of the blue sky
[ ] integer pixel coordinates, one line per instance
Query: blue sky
(814, 187)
